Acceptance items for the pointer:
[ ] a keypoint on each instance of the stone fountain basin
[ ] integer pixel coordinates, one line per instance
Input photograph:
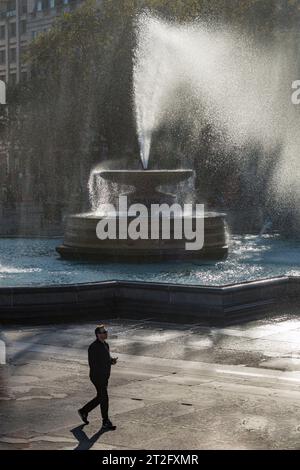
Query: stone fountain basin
(81, 238)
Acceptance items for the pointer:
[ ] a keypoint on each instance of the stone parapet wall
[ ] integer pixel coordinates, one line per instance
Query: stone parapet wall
(214, 305)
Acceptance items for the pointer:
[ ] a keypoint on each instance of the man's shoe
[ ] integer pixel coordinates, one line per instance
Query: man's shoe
(83, 416)
(107, 425)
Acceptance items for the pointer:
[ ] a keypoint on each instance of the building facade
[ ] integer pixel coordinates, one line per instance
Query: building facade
(21, 21)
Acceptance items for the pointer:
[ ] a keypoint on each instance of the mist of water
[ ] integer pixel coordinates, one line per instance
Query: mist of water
(206, 75)
(101, 192)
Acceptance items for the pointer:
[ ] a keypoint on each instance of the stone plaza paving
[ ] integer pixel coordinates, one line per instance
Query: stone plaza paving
(176, 386)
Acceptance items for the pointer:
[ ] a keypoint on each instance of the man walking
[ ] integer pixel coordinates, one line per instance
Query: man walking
(100, 362)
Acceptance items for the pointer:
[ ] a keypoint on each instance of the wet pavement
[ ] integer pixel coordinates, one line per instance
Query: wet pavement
(176, 386)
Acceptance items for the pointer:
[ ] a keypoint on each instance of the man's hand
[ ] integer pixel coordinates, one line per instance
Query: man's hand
(114, 360)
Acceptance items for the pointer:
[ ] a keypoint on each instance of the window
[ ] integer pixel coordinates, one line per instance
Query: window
(39, 5)
(34, 34)
(66, 2)
(3, 78)
(24, 76)
(23, 51)
(12, 78)
(2, 31)
(13, 54)
(11, 5)
(12, 30)
(52, 3)
(23, 28)
(2, 57)
(24, 7)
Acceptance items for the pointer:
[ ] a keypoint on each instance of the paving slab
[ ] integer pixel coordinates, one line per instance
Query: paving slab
(175, 386)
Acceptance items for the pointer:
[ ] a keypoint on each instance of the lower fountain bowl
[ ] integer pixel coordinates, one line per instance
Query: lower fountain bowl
(81, 242)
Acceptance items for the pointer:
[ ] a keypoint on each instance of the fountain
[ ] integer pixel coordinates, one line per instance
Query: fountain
(81, 238)
(81, 241)
(200, 76)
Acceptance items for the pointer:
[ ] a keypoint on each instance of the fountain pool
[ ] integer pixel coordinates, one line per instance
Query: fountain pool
(30, 262)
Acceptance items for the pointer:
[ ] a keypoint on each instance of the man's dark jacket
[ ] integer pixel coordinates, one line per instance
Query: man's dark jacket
(99, 361)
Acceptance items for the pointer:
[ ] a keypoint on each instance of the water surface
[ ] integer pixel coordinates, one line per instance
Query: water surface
(35, 262)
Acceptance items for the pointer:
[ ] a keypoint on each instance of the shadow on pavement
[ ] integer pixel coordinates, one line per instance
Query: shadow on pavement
(85, 442)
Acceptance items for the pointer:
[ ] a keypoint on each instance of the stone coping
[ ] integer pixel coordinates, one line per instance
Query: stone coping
(213, 304)
(152, 285)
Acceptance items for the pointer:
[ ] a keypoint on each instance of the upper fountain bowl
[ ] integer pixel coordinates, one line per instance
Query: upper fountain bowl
(146, 179)
(145, 183)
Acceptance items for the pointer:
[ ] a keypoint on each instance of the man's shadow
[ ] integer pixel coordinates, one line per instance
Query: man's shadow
(84, 442)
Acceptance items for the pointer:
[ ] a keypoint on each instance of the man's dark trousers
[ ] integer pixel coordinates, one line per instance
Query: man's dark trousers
(100, 399)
